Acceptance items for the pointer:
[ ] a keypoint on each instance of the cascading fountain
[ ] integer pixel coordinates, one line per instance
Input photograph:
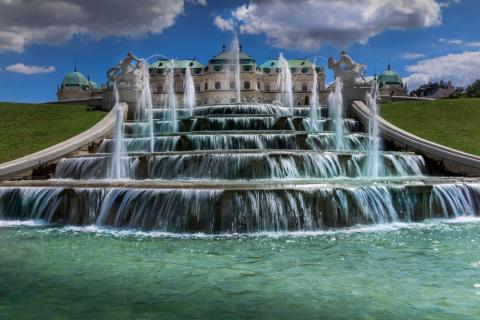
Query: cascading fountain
(236, 54)
(373, 164)
(284, 83)
(119, 162)
(171, 97)
(335, 110)
(240, 168)
(189, 91)
(314, 123)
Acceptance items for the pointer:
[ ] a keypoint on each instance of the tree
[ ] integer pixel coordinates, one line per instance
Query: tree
(473, 90)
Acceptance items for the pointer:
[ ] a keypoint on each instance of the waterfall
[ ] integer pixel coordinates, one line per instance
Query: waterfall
(189, 95)
(145, 103)
(236, 53)
(171, 98)
(314, 124)
(373, 161)
(335, 110)
(118, 168)
(284, 83)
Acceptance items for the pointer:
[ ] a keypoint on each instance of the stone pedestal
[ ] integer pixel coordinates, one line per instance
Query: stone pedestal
(356, 92)
(127, 95)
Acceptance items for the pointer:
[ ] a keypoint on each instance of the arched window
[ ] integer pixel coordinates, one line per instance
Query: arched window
(218, 85)
(246, 85)
(258, 86)
(206, 86)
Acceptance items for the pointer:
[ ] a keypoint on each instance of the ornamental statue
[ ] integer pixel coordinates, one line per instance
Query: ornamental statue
(126, 73)
(347, 69)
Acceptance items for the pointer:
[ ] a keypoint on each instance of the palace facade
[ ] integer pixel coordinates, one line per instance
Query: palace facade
(215, 82)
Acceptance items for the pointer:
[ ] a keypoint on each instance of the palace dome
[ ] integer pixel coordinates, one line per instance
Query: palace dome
(226, 57)
(75, 79)
(389, 77)
(93, 85)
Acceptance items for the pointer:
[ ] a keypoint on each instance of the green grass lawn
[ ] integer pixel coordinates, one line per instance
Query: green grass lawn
(454, 123)
(27, 128)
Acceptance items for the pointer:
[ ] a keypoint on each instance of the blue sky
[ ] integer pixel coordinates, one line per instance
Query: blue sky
(422, 39)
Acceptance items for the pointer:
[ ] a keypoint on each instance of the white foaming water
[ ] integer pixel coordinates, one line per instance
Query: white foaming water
(118, 168)
(146, 105)
(171, 98)
(335, 109)
(236, 53)
(284, 83)
(314, 123)
(17, 223)
(357, 229)
(189, 95)
(373, 164)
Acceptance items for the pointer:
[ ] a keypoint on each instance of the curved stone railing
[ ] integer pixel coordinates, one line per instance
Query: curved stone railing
(404, 98)
(452, 160)
(22, 165)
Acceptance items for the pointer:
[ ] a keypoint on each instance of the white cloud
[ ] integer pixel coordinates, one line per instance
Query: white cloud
(26, 69)
(24, 22)
(308, 24)
(461, 68)
(224, 24)
(475, 44)
(199, 2)
(450, 41)
(447, 4)
(412, 55)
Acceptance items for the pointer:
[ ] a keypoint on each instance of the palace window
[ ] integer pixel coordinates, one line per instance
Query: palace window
(218, 85)
(258, 85)
(232, 85)
(247, 68)
(197, 87)
(266, 86)
(246, 85)
(159, 89)
(206, 86)
(304, 86)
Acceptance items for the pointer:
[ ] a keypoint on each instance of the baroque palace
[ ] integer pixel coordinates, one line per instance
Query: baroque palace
(215, 82)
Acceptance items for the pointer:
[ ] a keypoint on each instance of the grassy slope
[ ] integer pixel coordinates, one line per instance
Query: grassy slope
(27, 128)
(454, 123)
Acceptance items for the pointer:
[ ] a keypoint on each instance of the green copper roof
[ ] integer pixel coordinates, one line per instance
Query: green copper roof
(75, 79)
(389, 77)
(292, 63)
(178, 64)
(229, 56)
